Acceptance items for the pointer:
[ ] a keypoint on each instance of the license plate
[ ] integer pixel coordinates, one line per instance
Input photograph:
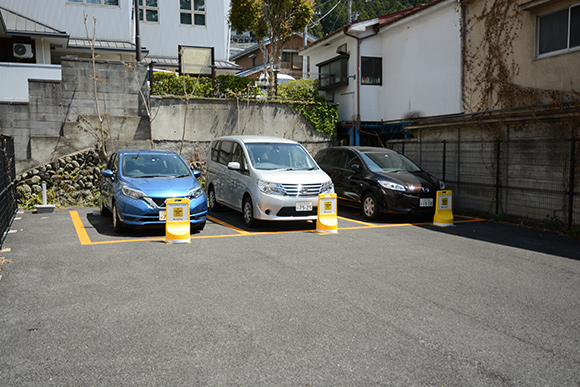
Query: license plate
(426, 202)
(162, 215)
(303, 206)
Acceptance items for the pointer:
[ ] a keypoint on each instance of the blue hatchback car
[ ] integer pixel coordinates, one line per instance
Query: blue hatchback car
(136, 184)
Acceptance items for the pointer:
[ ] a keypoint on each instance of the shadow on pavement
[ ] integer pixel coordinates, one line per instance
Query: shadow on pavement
(541, 241)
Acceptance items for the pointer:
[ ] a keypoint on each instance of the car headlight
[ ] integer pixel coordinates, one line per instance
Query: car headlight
(271, 188)
(195, 192)
(132, 192)
(327, 187)
(392, 186)
(441, 184)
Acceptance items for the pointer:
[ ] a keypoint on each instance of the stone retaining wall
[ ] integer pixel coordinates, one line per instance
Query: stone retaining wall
(72, 180)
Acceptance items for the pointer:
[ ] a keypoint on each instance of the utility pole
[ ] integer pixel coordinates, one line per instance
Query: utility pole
(349, 12)
(137, 35)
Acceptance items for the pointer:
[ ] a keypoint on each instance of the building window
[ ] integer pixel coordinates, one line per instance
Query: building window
(192, 12)
(285, 57)
(96, 2)
(149, 11)
(296, 61)
(559, 31)
(333, 73)
(371, 71)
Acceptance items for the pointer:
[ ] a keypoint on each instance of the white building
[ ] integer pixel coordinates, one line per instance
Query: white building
(39, 32)
(386, 71)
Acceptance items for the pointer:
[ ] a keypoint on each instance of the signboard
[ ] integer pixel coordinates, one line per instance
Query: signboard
(198, 61)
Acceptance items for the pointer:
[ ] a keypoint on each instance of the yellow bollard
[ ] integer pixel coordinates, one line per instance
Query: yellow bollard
(177, 227)
(327, 221)
(443, 211)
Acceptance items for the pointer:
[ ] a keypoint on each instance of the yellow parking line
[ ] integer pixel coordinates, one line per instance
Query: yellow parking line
(355, 221)
(81, 231)
(85, 240)
(220, 222)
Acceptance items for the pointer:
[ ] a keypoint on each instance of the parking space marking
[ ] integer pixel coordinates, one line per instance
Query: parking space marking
(86, 240)
(80, 228)
(221, 222)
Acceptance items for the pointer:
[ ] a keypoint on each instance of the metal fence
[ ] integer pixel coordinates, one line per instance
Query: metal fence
(533, 180)
(8, 204)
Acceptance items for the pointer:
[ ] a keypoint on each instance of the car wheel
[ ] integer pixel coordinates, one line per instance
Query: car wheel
(370, 206)
(248, 212)
(118, 226)
(104, 210)
(212, 203)
(197, 227)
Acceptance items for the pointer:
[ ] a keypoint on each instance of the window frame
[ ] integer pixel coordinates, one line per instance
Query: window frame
(192, 12)
(101, 4)
(566, 50)
(374, 81)
(143, 8)
(343, 78)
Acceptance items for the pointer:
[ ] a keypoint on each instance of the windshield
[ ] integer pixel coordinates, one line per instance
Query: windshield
(158, 165)
(388, 162)
(273, 156)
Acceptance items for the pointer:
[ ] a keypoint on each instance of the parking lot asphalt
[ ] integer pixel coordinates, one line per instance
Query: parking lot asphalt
(394, 302)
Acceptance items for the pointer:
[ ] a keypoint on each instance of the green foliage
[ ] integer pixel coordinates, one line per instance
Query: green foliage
(298, 90)
(228, 86)
(364, 8)
(270, 19)
(272, 22)
(173, 84)
(303, 96)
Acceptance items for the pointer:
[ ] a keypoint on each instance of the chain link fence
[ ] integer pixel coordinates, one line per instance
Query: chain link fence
(8, 204)
(534, 180)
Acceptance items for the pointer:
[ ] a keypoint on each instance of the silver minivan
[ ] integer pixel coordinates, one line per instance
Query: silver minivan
(266, 178)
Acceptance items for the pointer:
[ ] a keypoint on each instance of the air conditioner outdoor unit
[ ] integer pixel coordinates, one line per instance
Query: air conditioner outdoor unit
(21, 50)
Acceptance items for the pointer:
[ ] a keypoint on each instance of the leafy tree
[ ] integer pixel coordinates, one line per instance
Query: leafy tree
(334, 13)
(272, 22)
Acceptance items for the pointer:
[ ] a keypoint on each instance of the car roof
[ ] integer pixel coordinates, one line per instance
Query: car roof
(366, 149)
(145, 151)
(257, 139)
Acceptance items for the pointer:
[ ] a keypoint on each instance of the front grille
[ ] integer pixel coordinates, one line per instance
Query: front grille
(160, 202)
(291, 211)
(302, 189)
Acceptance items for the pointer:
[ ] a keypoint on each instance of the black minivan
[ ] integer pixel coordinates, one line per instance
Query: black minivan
(379, 180)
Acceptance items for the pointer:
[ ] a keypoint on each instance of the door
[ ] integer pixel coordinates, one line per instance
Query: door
(238, 178)
(350, 179)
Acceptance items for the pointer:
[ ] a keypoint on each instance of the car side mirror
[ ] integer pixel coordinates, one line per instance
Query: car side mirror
(234, 165)
(356, 168)
(196, 173)
(107, 173)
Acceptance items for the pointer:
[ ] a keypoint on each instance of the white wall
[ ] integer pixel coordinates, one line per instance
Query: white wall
(114, 23)
(421, 65)
(421, 56)
(344, 96)
(163, 41)
(14, 79)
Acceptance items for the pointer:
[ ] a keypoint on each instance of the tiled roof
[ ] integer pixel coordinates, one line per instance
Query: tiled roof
(16, 24)
(173, 62)
(110, 45)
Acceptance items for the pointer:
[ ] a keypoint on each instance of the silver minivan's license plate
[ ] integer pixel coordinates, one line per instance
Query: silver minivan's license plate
(426, 202)
(162, 215)
(303, 206)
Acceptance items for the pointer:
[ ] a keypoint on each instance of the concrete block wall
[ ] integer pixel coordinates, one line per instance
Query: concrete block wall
(205, 119)
(44, 127)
